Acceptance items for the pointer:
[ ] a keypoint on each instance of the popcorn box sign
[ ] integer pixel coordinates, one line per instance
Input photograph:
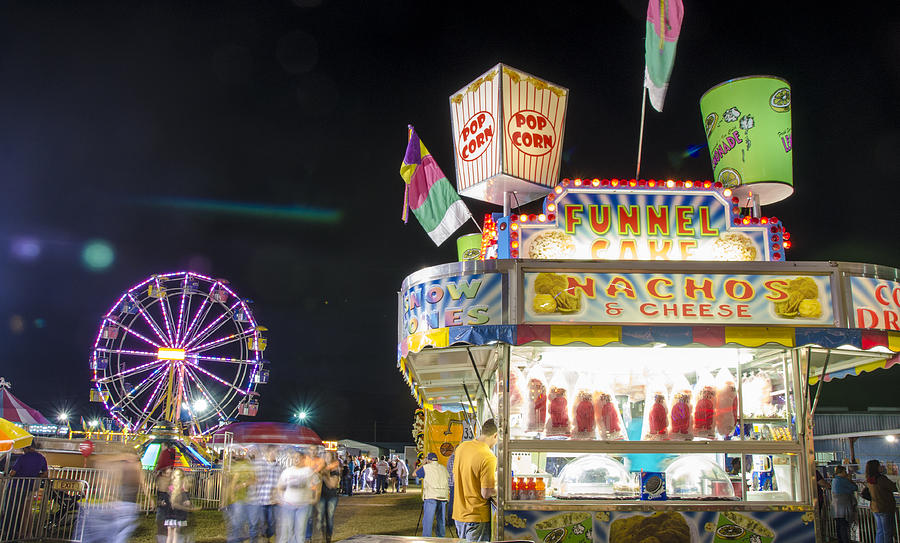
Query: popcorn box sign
(507, 135)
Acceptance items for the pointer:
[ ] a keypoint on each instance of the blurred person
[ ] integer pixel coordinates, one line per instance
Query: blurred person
(179, 507)
(328, 499)
(450, 462)
(475, 475)
(28, 469)
(295, 492)
(369, 478)
(241, 477)
(163, 479)
(114, 520)
(435, 494)
(843, 502)
(264, 500)
(882, 503)
(382, 469)
(402, 474)
(166, 458)
(392, 475)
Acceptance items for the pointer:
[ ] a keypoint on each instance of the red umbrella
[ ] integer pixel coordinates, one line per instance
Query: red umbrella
(281, 433)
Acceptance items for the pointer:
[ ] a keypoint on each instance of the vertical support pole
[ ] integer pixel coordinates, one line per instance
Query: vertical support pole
(506, 204)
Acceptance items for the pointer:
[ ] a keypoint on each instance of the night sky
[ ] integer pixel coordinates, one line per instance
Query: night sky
(260, 142)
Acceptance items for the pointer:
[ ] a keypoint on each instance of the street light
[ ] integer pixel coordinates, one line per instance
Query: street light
(302, 415)
(62, 417)
(93, 423)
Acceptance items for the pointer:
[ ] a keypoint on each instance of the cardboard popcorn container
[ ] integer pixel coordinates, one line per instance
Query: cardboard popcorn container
(507, 135)
(748, 128)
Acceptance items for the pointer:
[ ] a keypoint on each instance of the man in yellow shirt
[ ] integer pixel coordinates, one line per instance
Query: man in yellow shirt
(475, 479)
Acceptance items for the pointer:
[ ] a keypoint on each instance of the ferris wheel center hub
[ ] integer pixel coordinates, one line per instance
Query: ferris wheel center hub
(166, 353)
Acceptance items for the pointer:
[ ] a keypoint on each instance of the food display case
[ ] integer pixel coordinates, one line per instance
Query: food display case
(644, 397)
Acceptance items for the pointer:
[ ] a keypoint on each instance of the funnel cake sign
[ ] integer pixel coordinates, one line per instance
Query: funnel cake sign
(622, 222)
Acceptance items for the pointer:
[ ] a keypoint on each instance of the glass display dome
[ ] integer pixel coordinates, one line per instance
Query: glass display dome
(595, 476)
(697, 477)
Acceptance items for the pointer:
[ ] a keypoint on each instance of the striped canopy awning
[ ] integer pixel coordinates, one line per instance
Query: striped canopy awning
(15, 410)
(855, 350)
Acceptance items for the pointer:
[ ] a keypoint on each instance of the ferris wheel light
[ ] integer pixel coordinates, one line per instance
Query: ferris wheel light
(166, 353)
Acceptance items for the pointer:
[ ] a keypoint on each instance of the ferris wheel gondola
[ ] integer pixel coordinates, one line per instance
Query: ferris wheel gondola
(180, 348)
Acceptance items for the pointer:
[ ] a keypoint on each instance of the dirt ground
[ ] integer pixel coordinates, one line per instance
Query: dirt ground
(385, 514)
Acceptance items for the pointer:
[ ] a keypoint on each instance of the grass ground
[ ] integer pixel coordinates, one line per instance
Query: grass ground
(385, 514)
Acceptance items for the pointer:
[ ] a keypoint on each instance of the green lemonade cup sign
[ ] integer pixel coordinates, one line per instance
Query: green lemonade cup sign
(468, 247)
(748, 128)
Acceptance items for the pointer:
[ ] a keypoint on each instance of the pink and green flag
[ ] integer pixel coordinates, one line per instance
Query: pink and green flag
(429, 194)
(663, 27)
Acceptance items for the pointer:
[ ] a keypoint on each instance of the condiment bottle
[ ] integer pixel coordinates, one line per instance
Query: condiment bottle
(540, 489)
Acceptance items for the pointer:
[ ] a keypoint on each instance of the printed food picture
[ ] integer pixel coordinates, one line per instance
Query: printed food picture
(553, 295)
(802, 301)
(551, 245)
(737, 528)
(573, 527)
(668, 526)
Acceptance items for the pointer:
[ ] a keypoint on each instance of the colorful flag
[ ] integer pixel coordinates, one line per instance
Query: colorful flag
(429, 194)
(663, 27)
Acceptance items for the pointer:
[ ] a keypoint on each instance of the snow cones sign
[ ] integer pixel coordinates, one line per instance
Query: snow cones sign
(507, 133)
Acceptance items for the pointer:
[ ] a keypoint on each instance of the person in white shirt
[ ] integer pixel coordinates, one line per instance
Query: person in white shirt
(383, 468)
(296, 498)
(435, 493)
(402, 474)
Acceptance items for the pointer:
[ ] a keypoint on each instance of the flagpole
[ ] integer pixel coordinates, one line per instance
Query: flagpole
(637, 173)
(476, 223)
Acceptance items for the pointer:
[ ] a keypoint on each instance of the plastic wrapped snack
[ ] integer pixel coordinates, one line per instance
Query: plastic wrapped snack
(705, 407)
(757, 395)
(558, 408)
(609, 420)
(726, 403)
(656, 413)
(536, 411)
(583, 424)
(682, 415)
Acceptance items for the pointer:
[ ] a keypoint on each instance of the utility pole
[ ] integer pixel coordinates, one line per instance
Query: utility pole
(375, 430)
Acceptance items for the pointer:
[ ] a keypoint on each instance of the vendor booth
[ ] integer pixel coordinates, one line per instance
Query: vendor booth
(643, 344)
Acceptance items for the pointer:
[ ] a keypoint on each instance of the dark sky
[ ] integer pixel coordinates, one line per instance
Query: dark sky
(120, 119)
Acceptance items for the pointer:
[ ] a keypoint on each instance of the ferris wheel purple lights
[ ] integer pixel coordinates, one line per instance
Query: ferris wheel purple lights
(181, 348)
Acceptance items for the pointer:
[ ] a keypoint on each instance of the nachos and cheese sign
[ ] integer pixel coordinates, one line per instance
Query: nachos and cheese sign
(665, 298)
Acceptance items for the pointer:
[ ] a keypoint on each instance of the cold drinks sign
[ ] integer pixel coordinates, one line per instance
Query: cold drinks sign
(507, 134)
(876, 303)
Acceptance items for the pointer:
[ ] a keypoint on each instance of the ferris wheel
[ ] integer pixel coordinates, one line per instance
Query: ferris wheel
(180, 348)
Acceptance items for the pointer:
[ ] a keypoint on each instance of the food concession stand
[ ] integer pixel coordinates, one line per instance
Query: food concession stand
(645, 350)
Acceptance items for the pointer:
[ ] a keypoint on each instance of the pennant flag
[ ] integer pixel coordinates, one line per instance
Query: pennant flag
(663, 27)
(429, 194)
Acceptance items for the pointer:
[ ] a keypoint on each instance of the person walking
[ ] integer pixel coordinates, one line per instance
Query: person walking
(435, 494)
(450, 462)
(843, 503)
(475, 475)
(402, 474)
(264, 500)
(882, 503)
(295, 491)
(393, 481)
(241, 478)
(331, 477)
(179, 507)
(382, 469)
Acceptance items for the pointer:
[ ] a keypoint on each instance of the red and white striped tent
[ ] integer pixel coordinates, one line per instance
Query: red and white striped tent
(15, 410)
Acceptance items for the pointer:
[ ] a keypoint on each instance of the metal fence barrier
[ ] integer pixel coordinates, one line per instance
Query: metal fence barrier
(46, 509)
(864, 528)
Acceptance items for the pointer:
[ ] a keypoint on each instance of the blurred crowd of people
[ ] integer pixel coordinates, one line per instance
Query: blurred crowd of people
(374, 475)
